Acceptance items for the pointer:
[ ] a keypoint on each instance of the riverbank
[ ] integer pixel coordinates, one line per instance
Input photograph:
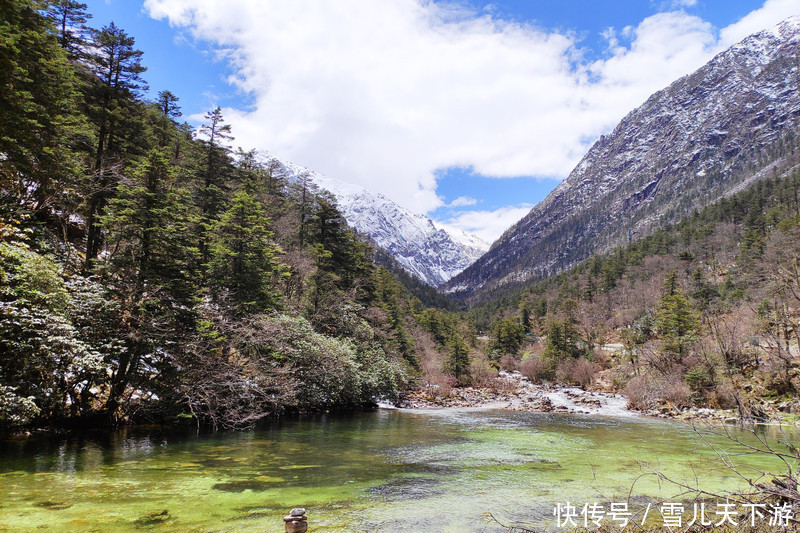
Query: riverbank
(513, 392)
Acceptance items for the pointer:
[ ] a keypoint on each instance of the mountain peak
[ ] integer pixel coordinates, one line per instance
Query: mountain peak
(705, 135)
(433, 253)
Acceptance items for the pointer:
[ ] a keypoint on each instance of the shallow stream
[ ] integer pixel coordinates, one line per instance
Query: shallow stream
(388, 471)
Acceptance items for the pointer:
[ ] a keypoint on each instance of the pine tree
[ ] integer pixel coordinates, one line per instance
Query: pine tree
(676, 322)
(458, 358)
(389, 295)
(169, 112)
(69, 18)
(153, 265)
(508, 334)
(117, 65)
(214, 177)
(244, 257)
(39, 119)
(149, 224)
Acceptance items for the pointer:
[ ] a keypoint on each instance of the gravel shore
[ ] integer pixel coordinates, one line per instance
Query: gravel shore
(512, 391)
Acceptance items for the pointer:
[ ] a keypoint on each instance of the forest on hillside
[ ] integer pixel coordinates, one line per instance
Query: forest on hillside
(705, 312)
(152, 273)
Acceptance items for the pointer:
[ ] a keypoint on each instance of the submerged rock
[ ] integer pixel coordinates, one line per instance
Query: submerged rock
(405, 489)
(53, 505)
(156, 517)
(242, 485)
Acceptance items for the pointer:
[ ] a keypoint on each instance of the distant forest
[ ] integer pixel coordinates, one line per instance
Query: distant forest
(704, 312)
(150, 272)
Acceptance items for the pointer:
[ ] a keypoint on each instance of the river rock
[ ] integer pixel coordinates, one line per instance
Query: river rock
(296, 521)
(296, 526)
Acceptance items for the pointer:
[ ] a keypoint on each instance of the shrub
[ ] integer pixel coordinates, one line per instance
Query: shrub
(577, 372)
(723, 397)
(278, 362)
(583, 373)
(697, 377)
(645, 393)
(439, 385)
(499, 385)
(640, 395)
(51, 356)
(15, 410)
(533, 368)
(509, 363)
(676, 392)
(564, 371)
(482, 371)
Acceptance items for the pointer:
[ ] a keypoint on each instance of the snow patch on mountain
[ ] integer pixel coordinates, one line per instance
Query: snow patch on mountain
(709, 133)
(434, 253)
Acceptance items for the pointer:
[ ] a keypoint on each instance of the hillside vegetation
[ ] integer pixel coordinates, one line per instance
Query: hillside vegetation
(705, 312)
(707, 135)
(150, 272)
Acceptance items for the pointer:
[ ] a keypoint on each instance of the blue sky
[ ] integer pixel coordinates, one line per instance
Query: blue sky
(468, 111)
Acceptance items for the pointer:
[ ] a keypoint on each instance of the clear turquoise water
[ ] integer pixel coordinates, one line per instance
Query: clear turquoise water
(389, 470)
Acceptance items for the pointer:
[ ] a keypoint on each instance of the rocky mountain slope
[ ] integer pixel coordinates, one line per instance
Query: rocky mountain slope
(431, 253)
(705, 136)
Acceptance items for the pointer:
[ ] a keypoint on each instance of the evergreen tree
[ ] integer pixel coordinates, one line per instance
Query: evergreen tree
(525, 320)
(306, 198)
(39, 120)
(169, 112)
(244, 257)
(69, 18)
(168, 105)
(563, 340)
(508, 335)
(676, 322)
(149, 225)
(214, 177)
(117, 65)
(457, 358)
(349, 259)
(389, 294)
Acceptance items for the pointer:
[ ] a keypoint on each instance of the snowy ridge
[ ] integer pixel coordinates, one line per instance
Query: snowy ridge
(433, 254)
(688, 145)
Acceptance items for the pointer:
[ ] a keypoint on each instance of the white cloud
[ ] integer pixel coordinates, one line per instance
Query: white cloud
(488, 225)
(771, 13)
(462, 201)
(384, 94)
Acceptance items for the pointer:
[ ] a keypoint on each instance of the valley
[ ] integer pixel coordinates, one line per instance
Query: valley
(200, 337)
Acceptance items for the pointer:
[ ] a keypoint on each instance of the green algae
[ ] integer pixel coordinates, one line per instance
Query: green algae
(383, 471)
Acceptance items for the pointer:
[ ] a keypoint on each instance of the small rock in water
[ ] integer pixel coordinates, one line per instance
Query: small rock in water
(53, 505)
(296, 521)
(155, 517)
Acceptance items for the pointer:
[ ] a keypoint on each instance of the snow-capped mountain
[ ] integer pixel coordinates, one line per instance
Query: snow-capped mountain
(715, 131)
(434, 254)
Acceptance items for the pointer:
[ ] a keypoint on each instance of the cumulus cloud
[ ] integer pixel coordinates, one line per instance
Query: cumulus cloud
(385, 94)
(488, 225)
(772, 12)
(462, 201)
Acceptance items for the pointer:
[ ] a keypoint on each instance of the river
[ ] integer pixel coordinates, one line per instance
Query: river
(388, 471)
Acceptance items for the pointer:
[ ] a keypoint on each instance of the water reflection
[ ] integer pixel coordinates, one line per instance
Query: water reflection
(405, 467)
